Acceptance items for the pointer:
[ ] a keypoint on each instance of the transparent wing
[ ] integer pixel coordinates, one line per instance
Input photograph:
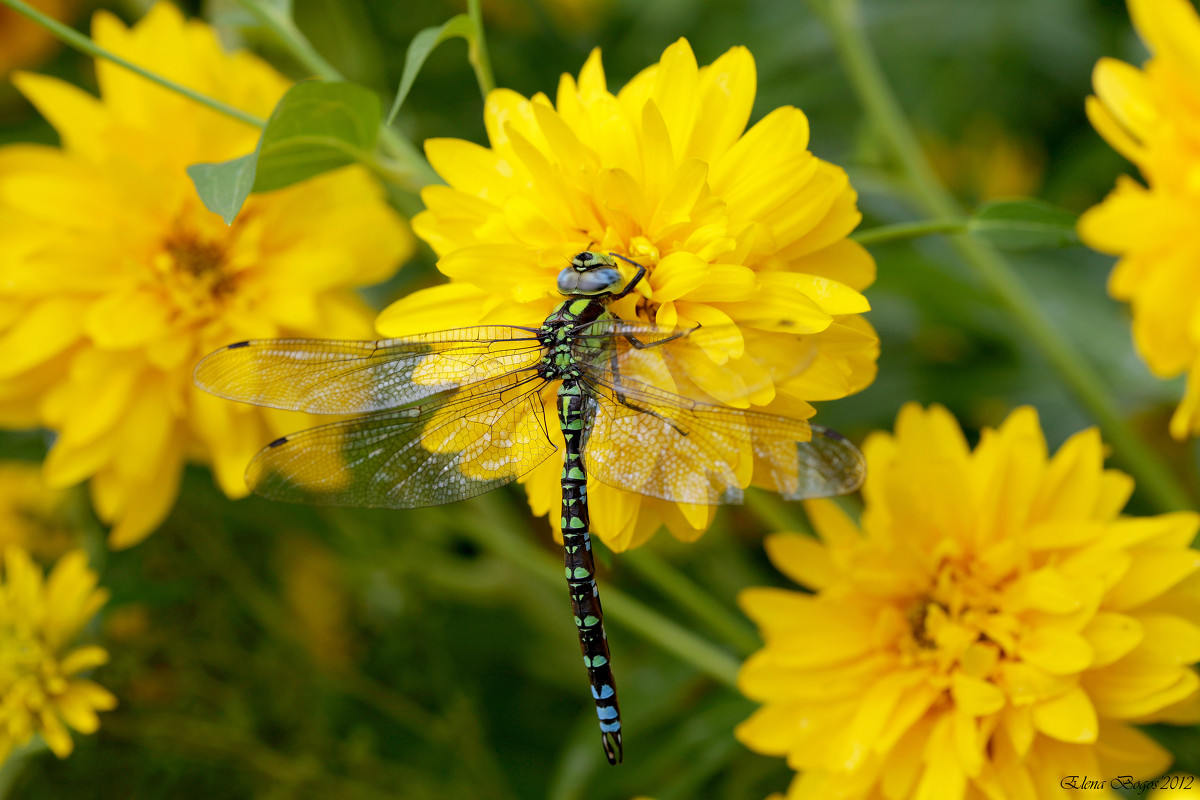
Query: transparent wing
(325, 376)
(654, 443)
(733, 365)
(448, 448)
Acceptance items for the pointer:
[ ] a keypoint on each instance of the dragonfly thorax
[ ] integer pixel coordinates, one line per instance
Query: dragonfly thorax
(558, 333)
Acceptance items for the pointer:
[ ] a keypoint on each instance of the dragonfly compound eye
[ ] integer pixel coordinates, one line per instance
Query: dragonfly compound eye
(597, 281)
(568, 281)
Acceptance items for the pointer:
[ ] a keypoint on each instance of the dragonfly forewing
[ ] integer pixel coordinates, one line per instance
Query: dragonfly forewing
(724, 364)
(324, 376)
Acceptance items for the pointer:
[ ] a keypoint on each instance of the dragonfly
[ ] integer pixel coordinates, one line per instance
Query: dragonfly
(449, 415)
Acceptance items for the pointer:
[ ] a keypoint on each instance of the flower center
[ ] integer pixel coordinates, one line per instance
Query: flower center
(198, 261)
(194, 272)
(949, 624)
(23, 658)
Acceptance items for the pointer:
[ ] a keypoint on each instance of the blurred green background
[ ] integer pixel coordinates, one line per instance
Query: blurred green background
(267, 651)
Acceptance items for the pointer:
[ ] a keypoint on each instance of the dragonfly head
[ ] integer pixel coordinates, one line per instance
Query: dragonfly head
(590, 274)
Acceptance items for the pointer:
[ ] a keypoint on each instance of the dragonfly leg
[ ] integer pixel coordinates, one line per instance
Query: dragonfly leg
(641, 273)
(623, 400)
(638, 344)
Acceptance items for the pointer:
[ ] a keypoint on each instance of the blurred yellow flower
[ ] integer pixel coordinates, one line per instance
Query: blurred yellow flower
(1152, 117)
(315, 592)
(993, 627)
(23, 42)
(986, 163)
(32, 515)
(40, 618)
(735, 227)
(115, 280)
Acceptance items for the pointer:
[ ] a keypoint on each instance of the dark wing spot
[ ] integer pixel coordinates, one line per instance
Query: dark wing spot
(236, 345)
(278, 441)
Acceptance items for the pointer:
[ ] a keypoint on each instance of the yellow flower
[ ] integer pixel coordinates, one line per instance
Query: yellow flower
(40, 618)
(23, 42)
(32, 515)
(115, 280)
(735, 227)
(1152, 117)
(317, 601)
(993, 627)
(987, 163)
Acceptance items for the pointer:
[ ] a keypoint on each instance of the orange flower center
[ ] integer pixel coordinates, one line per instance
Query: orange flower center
(194, 272)
(950, 623)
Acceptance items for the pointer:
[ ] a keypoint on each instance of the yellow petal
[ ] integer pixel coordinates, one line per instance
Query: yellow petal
(874, 711)
(1059, 652)
(943, 778)
(974, 696)
(46, 330)
(801, 558)
(155, 497)
(1171, 30)
(1120, 139)
(1045, 589)
(472, 169)
(1124, 91)
(770, 730)
(83, 658)
(675, 92)
(1125, 750)
(80, 119)
(1168, 641)
(1070, 717)
(450, 305)
(1152, 572)
(726, 97)
(832, 523)
(1111, 636)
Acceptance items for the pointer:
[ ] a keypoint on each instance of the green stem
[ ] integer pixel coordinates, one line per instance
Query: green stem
(286, 32)
(902, 231)
(477, 53)
(867, 78)
(500, 535)
(687, 595)
(85, 45)
(406, 164)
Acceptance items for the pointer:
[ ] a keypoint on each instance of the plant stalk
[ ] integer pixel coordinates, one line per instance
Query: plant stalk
(880, 103)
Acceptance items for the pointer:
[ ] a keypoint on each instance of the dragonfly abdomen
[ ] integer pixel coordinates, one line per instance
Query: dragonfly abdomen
(581, 570)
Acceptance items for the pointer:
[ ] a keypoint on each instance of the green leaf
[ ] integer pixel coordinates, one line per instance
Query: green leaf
(422, 45)
(224, 187)
(1024, 225)
(316, 127)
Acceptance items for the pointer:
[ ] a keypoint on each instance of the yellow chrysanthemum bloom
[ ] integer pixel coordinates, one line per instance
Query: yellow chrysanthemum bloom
(1152, 117)
(40, 618)
(993, 627)
(32, 515)
(115, 280)
(736, 227)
